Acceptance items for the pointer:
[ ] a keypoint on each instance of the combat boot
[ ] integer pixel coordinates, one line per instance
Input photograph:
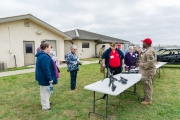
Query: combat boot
(146, 102)
(142, 98)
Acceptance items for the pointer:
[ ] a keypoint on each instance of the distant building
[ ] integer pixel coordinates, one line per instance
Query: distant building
(89, 43)
(21, 35)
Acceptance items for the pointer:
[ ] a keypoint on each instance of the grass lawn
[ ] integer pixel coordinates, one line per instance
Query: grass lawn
(18, 68)
(20, 99)
(89, 59)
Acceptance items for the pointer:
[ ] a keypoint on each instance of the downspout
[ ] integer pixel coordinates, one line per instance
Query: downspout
(71, 42)
(15, 61)
(96, 48)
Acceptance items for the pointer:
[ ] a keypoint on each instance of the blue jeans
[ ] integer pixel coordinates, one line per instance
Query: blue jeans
(73, 75)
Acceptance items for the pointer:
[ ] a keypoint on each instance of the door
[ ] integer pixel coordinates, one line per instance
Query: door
(29, 56)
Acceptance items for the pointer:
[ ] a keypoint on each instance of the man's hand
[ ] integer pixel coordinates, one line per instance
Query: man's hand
(137, 64)
(51, 81)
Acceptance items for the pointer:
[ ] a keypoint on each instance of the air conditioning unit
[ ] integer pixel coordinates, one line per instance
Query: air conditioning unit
(3, 66)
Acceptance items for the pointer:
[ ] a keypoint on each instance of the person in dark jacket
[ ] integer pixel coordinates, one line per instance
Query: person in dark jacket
(72, 62)
(45, 74)
(129, 60)
(113, 59)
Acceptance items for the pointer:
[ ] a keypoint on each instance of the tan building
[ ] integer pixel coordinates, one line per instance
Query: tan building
(21, 35)
(89, 43)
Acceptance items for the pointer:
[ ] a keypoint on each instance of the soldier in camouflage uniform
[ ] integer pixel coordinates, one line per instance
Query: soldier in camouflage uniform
(100, 56)
(147, 66)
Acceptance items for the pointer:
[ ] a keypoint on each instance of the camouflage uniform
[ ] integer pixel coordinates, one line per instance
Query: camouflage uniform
(148, 69)
(100, 56)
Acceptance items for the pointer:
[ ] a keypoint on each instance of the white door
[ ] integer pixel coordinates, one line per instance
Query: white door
(29, 56)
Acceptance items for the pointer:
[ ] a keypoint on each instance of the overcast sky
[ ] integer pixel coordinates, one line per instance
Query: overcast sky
(131, 20)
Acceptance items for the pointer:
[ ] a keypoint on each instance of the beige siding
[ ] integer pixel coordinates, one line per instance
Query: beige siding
(12, 35)
(86, 52)
(67, 45)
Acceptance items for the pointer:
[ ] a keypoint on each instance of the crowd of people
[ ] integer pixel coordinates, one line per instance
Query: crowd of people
(131, 55)
(47, 71)
(145, 58)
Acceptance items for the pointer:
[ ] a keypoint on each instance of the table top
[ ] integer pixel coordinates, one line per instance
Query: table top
(160, 64)
(157, 66)
(102, 86)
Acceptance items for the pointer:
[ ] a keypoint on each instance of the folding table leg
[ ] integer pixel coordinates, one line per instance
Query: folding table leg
(163, 70)
(105, 97)
(133, 92)
(159, 73)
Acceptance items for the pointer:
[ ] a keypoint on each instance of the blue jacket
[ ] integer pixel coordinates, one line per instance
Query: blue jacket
(106, 56)
(72, 61)
(45, 70)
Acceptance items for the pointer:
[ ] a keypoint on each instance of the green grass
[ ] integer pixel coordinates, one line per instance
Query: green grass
(171, 66)
(18, 68)
(20, 100)
(89, 59)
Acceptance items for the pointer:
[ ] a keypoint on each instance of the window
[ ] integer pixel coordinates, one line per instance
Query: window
(29, 48)
(85, 45)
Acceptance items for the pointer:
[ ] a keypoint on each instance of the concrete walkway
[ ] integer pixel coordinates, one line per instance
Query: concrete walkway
(9, 73)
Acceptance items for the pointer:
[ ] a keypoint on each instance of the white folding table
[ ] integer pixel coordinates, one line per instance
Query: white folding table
(158, 67)
(102, 87)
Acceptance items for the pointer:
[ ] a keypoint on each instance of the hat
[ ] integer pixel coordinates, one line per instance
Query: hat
(103, 46)
(147, 40)
(112, 44)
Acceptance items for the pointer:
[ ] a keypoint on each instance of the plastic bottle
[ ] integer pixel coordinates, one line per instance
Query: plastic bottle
(51, 88)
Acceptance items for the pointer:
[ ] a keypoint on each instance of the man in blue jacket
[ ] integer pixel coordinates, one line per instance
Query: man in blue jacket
(113, 59)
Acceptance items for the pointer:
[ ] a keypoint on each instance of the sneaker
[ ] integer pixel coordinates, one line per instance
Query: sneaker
(146, 102)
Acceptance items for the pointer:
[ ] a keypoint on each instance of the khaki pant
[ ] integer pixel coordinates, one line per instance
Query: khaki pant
(102, 69)
(45, 95)
(147, 87)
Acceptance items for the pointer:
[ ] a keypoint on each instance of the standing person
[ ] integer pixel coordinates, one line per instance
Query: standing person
(72, 62)
(135, 51)
(39, 48)
(113, 59)
(118, 46)
(45, 74)
(147, 67)
(102, 69)
(101, 53)
(127, 50)
(54, 57)
(129, 60)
